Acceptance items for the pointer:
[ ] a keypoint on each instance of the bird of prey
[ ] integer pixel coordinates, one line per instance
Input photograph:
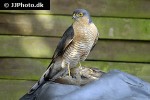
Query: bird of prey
(75, 45)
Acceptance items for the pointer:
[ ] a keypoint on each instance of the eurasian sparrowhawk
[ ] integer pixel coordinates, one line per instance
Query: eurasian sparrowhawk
(74, 46)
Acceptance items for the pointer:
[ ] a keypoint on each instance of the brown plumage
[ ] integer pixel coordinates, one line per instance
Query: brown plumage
(74, 46)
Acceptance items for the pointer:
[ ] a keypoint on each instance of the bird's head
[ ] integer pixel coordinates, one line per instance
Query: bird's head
(81, 15)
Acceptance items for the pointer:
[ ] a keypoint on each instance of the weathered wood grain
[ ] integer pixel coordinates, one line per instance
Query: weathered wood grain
(117, 8)
(114, 50)
(14, 89)
(41, 47)
(26, 69)
(32, 69)
(49, 25)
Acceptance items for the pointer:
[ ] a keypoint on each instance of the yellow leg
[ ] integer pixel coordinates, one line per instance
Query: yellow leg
(79, 65)
(68, 70)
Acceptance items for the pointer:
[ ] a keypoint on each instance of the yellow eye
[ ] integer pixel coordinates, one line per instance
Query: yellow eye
(80, 14)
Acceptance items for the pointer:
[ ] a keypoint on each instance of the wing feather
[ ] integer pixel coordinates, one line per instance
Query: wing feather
(64, 42)
(96, 39)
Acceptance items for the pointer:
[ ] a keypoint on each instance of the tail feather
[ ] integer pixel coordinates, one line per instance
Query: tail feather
(52, 71)
(42, 81)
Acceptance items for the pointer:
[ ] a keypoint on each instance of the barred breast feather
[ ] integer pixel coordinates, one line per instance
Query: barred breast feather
(84, 37)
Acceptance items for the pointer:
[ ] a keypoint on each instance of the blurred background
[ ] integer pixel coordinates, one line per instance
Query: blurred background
(29, 38)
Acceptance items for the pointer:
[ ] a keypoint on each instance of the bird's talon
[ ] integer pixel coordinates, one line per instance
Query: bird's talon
(79, 65)
(69, 70)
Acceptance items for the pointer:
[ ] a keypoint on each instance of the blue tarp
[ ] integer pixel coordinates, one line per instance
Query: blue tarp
(114, 85)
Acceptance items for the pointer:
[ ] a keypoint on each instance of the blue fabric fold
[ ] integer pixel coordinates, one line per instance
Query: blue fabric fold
(114, 85)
